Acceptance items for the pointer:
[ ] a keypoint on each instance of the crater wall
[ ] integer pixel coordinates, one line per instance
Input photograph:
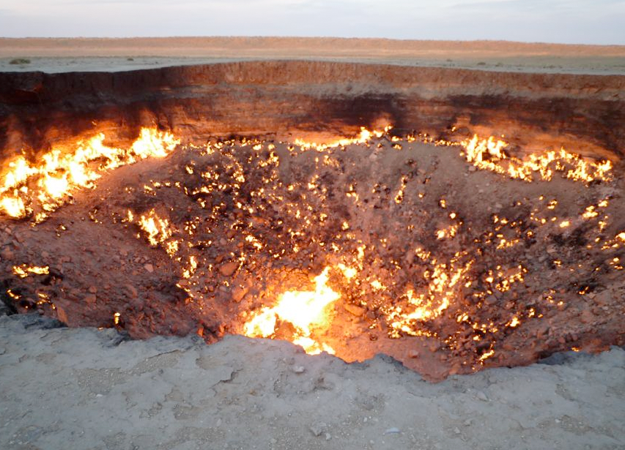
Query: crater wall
(583, 113)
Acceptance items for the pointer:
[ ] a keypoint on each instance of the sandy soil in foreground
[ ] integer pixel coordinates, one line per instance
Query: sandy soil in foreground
(90, 389)
(68, 55)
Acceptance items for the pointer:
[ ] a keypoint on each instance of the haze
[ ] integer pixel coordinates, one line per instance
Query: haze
(558, 21)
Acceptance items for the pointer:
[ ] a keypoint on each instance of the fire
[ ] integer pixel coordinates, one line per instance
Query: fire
(13, 206)
(306, 311)
(487, 154)
(46, 185)
(439, 280)
(478, 149)
(156, 229)
(363, 137)
(26, 270)
(443, 284)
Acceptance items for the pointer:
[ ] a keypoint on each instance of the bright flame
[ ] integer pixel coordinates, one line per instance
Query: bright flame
(487, 154)
(13, 206)
(156, 229)
(305, 310)
(363, 137)
(25, 270)
(61, 172)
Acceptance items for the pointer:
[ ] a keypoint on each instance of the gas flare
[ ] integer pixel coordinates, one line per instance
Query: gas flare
(488, 154)
(306, 311)
(48, 184)
(363, 137)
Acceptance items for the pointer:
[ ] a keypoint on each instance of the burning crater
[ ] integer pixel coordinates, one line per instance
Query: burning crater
(450, 252)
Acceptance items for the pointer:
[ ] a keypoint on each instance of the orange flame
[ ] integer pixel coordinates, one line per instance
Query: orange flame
(305, 310)
(363, 137)
(60, 173)
(487, 154)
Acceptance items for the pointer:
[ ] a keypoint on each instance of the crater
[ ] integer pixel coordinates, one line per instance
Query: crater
(452, 219)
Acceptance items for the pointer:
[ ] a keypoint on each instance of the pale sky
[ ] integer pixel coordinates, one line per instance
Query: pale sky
(562, 21)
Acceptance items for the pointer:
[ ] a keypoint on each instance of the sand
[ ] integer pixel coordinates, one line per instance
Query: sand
(90, 389)
(71, 55)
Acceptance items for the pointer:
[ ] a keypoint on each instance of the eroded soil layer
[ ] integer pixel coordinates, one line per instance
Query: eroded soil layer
(444, 267)
(281, 98)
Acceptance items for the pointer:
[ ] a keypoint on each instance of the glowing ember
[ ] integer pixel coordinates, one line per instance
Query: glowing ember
(444, 282)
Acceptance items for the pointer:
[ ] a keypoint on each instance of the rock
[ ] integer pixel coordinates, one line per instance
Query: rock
(60, 314)
(482, 396)
(299, 369)
(93, 289)
(392, 430)
(4, 310)
(7, 254)
(239, 293)
(353, 309)
(491, 300)
(318, 428)
(132, 291)
(149, 268)
(90, 299)
(604, 298)
(228, 268)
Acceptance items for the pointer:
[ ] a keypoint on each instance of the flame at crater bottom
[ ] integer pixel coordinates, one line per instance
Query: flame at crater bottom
(306, 311)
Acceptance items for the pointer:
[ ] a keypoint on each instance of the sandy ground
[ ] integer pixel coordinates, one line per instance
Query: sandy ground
(90, 389)
(68, 55)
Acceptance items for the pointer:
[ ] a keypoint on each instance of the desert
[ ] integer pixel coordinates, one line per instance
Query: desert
(311, 243)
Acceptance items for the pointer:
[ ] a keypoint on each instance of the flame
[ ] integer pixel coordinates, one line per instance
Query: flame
(443, 283)
(305, 310)
(60, 172)
(13, 206)
(25, 270)
(363, 137)
(157, 229)
(487, 154)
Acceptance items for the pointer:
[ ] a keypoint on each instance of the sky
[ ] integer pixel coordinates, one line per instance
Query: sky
(558, 21)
